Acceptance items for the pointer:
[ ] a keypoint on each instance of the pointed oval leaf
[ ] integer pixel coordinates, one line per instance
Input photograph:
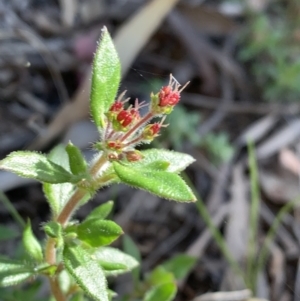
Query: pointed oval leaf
(159, 276)
(58, 194)
(111, 268)
(180, 265)
(98, 233)
(114, 261)
(164, 184)
(77, 162)
(36, 166)
(176, 161)
(53, 229)
(102, 211)
(31, 244)
(130, 247)
(163, 292)
(13, 272)
(105, 79)
(86, 272)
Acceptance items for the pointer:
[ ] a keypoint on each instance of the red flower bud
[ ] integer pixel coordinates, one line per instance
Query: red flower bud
(133, 156)
(152, 130)
(125, 118)
(168, 97)
(155, 128)
(115, 145)
(164, 101)
(116, 106)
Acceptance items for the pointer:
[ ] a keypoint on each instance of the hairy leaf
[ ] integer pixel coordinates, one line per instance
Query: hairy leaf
(86, 272)
(164, 184)
(36, 166)
(14, 272)
(58, 194)
(102, 211)
(176, 161)
(31, 244)
(98, 233)
(105, 79)
(114, 261)
(77, 162)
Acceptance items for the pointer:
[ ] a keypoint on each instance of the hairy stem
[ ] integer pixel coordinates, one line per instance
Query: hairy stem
(56, 291)
(50, 253)
(143, 120)
(63, 218)
(70, 206)
(98, 165)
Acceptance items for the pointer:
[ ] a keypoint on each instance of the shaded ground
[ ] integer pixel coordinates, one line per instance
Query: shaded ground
(46, 49)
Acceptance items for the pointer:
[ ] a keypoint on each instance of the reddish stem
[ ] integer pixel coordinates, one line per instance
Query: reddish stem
(134, 141)
(70, 207)
(142, 121)
(63, 217)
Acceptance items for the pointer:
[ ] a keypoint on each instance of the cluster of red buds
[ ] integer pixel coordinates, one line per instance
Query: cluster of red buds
(125, 128)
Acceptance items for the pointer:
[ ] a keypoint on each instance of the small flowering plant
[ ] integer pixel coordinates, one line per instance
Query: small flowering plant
(76, 257)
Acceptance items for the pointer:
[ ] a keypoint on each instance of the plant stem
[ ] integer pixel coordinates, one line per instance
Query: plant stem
(50, 253)
(56, 291)
(63, 218)
(98, 164)
(70, 207)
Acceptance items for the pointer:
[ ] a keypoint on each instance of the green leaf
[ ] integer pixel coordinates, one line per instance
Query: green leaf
(102, 211)
(163, 292)
(98, 233)
(114, 261)
(159, 276)
(14, 272)
(7, 233)
(53, 229)
(77, 162)
(112, 294)
(58, 194)
(78, 297)
(65, 281)
(180, 265)
(105, 79)
(36, 166)
(86, 272)
(131, 249)
(164, 184)
(112, 268)
(30, 292)
(31, 244)
(176, 161)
